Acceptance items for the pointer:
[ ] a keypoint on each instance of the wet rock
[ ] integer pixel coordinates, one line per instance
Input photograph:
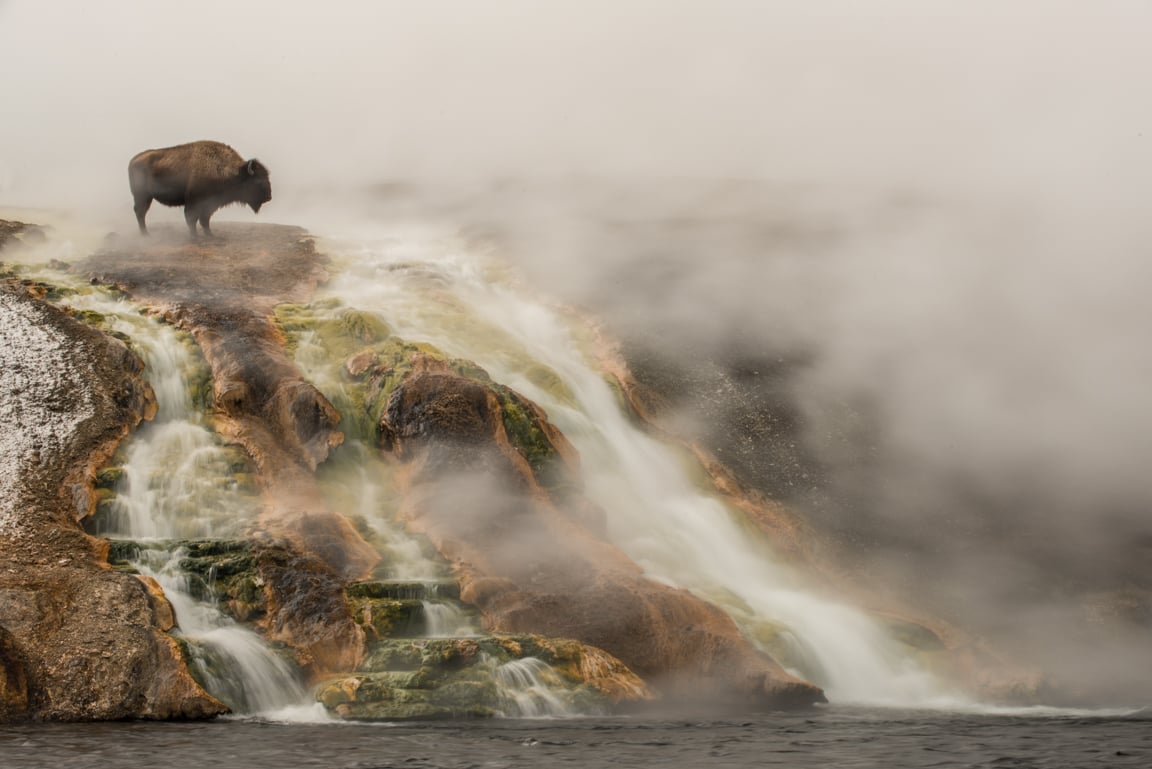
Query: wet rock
(480, 677)
(88, 639)
(735, 412)
(13, 680)
(220, 571)
(19, 232)
(292, 598)
(400, 697)
(400, 608)
(742, 433)
(224, 293)
(163, 615)
(306, 610)
(531, 566)
(405, 589)
(382, 618)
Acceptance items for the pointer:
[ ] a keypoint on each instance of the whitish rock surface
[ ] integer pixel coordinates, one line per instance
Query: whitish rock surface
(46, 398)
(78, 641)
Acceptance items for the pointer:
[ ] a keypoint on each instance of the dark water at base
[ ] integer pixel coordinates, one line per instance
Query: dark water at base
(826, 738)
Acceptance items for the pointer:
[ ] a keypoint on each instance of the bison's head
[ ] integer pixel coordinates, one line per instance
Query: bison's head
(257, 185)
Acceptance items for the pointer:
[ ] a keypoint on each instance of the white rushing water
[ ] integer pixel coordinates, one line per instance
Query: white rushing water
(235, 664)
(528, 689)
(177, 480)
(445, 619)
(434, 290)
(177, 484)
(358, 482)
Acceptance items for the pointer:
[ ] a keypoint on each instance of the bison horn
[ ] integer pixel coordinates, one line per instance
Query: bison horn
(252, 167)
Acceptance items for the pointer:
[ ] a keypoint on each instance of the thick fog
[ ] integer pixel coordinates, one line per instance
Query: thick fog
(1039, 94)
(933, 215)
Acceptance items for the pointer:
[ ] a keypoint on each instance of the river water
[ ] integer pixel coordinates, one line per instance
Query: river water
(828, 737)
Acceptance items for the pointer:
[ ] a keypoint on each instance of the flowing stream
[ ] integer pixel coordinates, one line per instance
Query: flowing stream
(178, 483)
(434, 290)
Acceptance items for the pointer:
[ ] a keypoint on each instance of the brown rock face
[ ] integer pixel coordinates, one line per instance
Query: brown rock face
(223, 294)
(77, 640)
(527, 562)
(306, 609)
(13, 680)
(19, 231)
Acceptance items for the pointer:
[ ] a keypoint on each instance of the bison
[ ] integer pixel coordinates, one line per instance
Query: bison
(202, 176)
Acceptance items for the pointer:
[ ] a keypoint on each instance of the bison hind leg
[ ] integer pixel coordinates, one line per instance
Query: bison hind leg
(191, 214)
(205, 216)
(143, 203)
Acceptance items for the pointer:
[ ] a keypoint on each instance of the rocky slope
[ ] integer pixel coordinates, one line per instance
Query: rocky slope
(495, 487)
(490, 482)
(78, 641)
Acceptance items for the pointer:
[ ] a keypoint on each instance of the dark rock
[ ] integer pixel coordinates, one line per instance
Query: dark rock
(401, 590)
(19, 232)
(399, 608)
(477, 677)
(306, 610)
(13, 680)
(293, 598)
(529, 567)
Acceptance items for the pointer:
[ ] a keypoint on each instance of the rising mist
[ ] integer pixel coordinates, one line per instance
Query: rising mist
(906, 241)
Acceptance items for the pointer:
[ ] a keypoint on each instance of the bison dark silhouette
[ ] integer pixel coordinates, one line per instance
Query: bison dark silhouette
(202, 176)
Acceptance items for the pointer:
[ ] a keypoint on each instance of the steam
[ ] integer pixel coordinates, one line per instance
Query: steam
(1036, 95)
(926, 223)
(966, 379)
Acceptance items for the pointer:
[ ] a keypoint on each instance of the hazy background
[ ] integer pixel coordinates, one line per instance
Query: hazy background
(1025, 93)
(903, 244)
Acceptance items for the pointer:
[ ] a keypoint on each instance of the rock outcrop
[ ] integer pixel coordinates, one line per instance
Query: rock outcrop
(78, 641)
(292, 598)
(494, 486)
(522, 675)
(486, 477)
(223, 292)
(19, 232)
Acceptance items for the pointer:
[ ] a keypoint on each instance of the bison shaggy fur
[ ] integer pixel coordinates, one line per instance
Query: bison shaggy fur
(202, 176)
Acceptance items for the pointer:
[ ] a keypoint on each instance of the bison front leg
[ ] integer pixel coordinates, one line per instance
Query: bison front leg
(141, 209)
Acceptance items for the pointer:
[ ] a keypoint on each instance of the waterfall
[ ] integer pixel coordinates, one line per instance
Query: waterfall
(235, 664)
(527, 689)
(177, 484)
(444, 619)
(433, 290)
(355, 479)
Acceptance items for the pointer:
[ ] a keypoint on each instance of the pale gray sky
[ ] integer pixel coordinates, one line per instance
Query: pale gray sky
(1003, 92)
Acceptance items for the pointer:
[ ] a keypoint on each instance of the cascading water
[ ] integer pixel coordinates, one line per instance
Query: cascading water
(177, 484)
(527, 689)
(443, 619)
(234, 663)
(177, 481)
(356, 480)
(430, 290)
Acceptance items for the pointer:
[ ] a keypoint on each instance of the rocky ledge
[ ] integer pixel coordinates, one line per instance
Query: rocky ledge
(78, 641)
(495, 487)
(484, 476)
